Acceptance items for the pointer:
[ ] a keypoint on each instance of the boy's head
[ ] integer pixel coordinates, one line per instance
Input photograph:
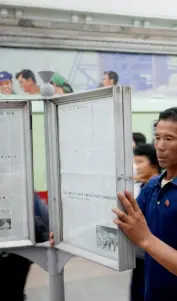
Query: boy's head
(146, 163)
(138, 138)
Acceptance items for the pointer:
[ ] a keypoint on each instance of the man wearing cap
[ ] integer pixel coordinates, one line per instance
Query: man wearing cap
(60, 84)
(6, 83)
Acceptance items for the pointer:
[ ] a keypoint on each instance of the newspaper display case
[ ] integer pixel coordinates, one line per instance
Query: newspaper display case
(16, 189)
(89, 160)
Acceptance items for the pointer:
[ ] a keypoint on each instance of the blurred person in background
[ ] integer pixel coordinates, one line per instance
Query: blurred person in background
(27, 81)
(110, 78)
(15, 268)
(147, 166)
(6, 86)
(154, 129)
(60, 84)
(138, 138)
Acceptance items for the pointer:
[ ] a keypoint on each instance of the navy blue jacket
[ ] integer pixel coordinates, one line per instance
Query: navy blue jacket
(161, 217)
(41, 219)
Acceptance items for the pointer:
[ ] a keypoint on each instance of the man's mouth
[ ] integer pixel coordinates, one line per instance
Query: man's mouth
(161, 158)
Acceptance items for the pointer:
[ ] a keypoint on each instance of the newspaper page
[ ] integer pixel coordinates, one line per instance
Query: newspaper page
(13, 213)
(88, 181)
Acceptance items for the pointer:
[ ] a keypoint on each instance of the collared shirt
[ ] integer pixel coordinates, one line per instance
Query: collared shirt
(137, 189)
(159, 205)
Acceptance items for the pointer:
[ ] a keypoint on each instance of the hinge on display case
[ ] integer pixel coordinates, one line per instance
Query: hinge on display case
(31, 122)
(124, 177)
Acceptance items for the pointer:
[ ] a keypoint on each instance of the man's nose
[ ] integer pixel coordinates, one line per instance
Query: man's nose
(160, 146)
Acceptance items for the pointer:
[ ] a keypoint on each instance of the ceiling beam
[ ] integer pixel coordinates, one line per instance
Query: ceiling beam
(25, 29)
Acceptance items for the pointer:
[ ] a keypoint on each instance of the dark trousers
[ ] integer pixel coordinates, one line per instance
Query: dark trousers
(138, 284)
(13, 274)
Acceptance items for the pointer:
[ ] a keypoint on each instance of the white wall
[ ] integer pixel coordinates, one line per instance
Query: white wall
(144, 8)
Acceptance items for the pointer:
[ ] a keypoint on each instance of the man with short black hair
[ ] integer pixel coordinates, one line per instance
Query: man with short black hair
(156, 231)
(27, 81)
(110, 78)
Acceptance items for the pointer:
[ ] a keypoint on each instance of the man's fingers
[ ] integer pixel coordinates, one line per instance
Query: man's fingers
(132, 200)
(51, 239)
(126, 203)
(121, 215)
(51, 235)
(119, 223)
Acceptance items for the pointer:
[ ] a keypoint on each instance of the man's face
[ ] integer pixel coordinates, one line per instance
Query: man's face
(107, 82)
(6, 87)
(25, 84)
(144, 169)
(166, 143)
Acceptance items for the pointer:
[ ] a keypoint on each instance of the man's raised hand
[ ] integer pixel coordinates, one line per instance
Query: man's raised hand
(132, 221)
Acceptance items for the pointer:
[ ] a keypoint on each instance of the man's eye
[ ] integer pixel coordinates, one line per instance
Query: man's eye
(169, 138)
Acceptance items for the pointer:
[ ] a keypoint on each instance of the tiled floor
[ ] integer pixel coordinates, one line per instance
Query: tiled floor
(84, 281)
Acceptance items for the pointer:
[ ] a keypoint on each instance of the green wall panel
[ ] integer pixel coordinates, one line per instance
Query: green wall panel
(143, 122)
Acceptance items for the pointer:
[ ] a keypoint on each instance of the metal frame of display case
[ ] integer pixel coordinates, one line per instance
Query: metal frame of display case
(25, 106)
(123, 171)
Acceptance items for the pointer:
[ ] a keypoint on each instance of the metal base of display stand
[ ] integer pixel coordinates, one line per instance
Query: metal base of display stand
(51, 260)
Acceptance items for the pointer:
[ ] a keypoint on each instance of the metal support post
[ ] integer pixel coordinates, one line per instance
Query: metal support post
(56, 275)
(56, 279)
